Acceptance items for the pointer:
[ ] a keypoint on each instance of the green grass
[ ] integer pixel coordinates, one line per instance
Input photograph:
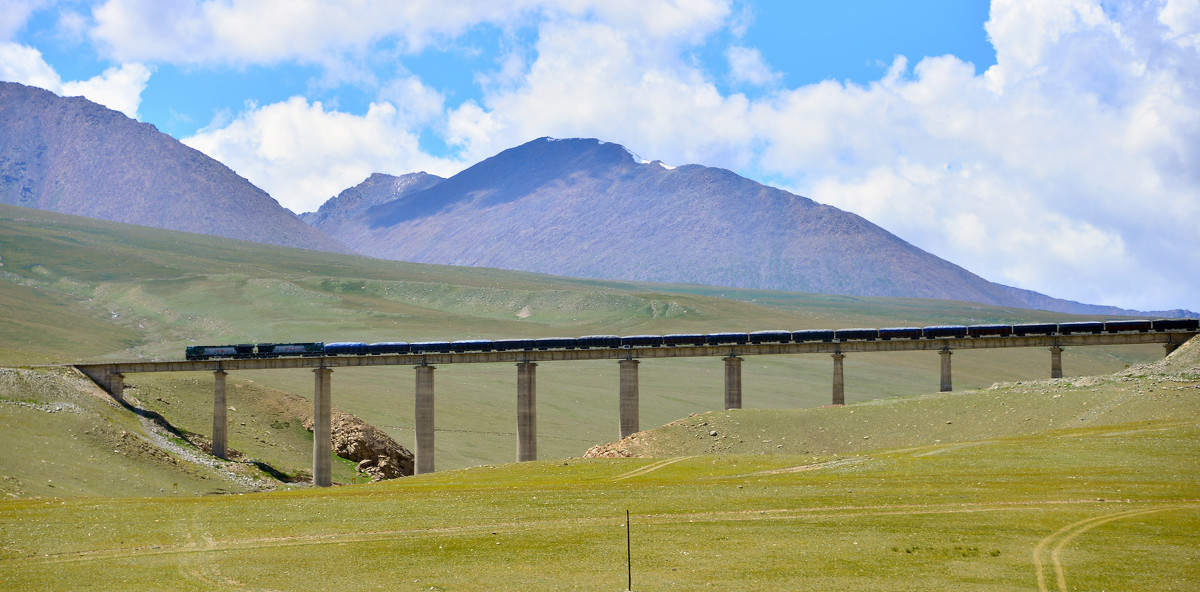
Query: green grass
(980, 502)
(900, 490)
(998, 489)
(938, 518)
(64, 437)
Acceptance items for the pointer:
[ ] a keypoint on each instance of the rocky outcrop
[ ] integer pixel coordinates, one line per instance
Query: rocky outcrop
(607, 450)
(1183, 363)
(376, 453)
(623, 448)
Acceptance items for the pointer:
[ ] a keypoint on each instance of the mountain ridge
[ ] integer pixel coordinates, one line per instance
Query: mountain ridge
(582, 207)
(70, 155)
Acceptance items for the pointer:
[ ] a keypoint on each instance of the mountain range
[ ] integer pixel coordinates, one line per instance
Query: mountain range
(572, 207)
(588, 208)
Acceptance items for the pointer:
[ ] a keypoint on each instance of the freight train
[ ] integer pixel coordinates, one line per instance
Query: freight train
(355, 348)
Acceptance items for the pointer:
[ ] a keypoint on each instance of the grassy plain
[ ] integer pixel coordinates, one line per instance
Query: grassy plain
(1111, 502)
(1083, 484)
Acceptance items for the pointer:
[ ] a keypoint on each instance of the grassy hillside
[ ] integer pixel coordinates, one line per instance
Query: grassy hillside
(81, 289)
(1090, 484)
(63, 436)
(973, 417)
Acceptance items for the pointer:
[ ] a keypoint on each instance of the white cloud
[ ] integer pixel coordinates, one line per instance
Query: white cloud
(119, 88)
(1182, 17)
(684, 22)
(302, 154)
(1024, 33)
(746, 66)
(15, 15)
(418, 105)
(268, 31)
(593, 79)
(72, 27)
(24, 64)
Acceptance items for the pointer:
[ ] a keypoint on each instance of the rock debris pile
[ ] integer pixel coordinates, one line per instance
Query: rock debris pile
(376, 453)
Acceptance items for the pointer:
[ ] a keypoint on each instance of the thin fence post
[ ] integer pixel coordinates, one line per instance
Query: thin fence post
(628, 551)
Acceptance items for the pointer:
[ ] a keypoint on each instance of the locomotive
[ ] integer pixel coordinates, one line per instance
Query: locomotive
(253, 350)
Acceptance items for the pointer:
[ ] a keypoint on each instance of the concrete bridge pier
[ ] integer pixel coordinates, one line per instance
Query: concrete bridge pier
(733, 382)
(947, 383)
(629, 397)
(116, 385)
(220, 422)
(526, 411)
(1056, 362)
(322, 428)
(839, 382)
(1170, 348)
(423, 420)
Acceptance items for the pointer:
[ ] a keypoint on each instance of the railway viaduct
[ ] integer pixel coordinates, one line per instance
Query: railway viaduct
(111, 377)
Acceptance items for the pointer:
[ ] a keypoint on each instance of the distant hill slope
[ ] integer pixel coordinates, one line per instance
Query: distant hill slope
(339, 215)
(586, 208)
(73, 156)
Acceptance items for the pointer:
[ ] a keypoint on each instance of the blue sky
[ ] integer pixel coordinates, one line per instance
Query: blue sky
(1052, 145)
(805, 42)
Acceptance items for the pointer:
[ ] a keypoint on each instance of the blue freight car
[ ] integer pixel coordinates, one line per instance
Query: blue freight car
(471, 345)
(555, 343)
(346, 348)
(683, 339)
(945, 332)
(1123, 326)
(770, 336)
(900, 333)
(501, 345)
(429, 347)
(388, 347)
(990, 330)
(1081, 327)
(1176, 324)
(1035, 329)
(641, 341)
(598, 341)
(726, 338)
(856, 334)
(813, 335)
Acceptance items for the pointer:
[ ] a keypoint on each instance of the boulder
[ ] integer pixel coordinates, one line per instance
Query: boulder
(376, 453)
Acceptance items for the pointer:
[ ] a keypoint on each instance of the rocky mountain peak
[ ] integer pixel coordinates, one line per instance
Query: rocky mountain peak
(379, 188)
